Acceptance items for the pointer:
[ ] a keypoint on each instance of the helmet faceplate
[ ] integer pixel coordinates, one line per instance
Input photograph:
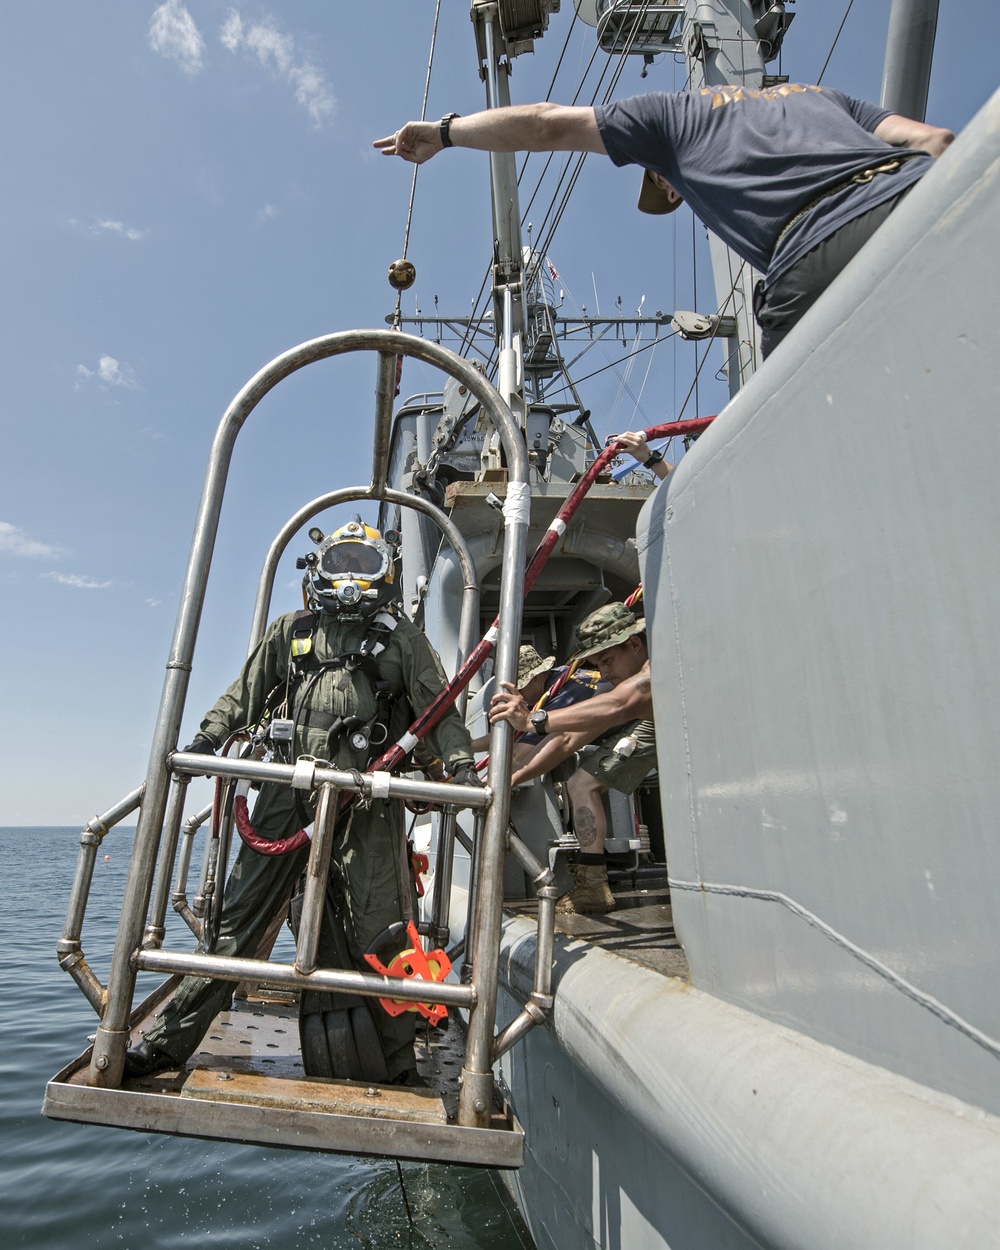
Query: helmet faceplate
(354, 570)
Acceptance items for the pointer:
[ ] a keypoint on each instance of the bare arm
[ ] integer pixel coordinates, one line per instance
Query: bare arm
(544, 127)
(552, 750)
(631, 700)
(903, 132)
(635, 444)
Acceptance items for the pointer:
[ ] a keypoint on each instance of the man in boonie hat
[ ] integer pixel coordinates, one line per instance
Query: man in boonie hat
(613, 639)
(532, 668)
(536, 678)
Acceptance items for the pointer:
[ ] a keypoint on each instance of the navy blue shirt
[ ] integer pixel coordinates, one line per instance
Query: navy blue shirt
(584, 683)
(747, 161)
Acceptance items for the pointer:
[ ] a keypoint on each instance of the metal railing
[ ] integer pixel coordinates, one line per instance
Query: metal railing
(141, 931)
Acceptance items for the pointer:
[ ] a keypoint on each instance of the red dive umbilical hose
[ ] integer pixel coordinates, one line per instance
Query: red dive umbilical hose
(436, 709)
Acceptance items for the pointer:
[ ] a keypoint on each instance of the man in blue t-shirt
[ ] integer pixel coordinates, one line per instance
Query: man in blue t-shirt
(542, 685)
(793, 178)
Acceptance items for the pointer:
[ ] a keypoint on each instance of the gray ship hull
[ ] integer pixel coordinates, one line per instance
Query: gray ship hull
(822, 588)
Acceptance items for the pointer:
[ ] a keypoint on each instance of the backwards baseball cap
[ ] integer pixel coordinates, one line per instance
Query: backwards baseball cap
(653, 199)
(607, 627)
(530, 664)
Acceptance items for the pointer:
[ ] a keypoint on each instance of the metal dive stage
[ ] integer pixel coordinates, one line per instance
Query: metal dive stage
(246, 1082)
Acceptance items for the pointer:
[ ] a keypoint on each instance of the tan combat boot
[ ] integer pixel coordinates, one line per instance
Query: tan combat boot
(590, 894)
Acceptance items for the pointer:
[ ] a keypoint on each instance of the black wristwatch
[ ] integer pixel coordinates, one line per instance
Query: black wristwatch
(539, 722)
(654, 457)
(444, 126)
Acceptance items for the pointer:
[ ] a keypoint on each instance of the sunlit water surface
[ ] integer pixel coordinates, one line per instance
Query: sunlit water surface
(71, 1185)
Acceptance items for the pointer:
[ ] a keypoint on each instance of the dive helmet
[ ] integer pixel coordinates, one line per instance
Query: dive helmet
(352, 572)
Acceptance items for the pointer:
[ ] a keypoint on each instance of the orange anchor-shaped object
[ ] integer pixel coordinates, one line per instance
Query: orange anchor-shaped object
(420, 864)
(415, 962)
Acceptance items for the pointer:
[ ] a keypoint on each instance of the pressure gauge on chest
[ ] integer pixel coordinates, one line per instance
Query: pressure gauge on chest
(359, 740)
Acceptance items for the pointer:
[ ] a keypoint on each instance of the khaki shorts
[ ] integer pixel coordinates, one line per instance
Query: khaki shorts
(619, 771)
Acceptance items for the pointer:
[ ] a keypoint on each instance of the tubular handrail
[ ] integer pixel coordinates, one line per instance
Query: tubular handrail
(69, 948)
(112, 1034)
(178, 898)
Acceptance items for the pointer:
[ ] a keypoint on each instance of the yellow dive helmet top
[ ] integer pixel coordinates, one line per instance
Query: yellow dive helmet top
(354, 568)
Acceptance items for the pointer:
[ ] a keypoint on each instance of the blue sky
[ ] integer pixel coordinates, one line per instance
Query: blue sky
(188, 191)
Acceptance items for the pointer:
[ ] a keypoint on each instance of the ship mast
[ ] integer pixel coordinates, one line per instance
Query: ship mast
(495, 51)
(908, 54)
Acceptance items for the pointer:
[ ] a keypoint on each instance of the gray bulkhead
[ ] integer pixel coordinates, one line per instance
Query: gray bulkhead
(823, 580)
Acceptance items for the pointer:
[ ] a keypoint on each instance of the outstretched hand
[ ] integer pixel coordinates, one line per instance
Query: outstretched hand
(634, 442)
(415, 142)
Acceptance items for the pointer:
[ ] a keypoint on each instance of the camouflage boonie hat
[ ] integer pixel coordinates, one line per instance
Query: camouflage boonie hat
(607, 627)
(530, 664)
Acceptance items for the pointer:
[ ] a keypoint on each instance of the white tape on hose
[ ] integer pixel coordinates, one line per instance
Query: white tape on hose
(558, 527)
(407, 742)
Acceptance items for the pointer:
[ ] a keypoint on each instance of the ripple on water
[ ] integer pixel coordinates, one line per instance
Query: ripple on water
(90, 1188)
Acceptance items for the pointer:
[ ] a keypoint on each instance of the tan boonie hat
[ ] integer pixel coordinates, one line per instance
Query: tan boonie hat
(653, 199)
(530, 664)
(607, 627)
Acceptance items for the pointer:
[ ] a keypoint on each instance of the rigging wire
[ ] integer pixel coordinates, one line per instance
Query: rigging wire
(645, 378)
(549, 159)
(840, 28)
(712, 338)
(413, 180)
(544, 242)
(638, 352)
(559, 200)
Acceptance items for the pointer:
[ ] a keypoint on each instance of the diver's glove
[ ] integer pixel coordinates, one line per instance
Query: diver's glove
(466, 775)
(201, 746)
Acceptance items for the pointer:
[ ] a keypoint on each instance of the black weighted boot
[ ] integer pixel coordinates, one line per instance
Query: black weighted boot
(145, 1059)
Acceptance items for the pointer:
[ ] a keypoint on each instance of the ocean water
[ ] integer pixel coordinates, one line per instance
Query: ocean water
(69, 1185)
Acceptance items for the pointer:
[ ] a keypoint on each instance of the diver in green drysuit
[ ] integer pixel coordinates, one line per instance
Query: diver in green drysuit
(370, 860)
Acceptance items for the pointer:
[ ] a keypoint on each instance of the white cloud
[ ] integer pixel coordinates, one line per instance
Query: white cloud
(119, 227)
(15, 542)
(152, 603)
(173, 34)
(276, 51)
(267, 213)
(77, 580)
(110, 227)
(109, 372)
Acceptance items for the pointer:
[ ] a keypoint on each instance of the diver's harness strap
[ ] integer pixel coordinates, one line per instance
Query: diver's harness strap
(364, 660)
(303, 670)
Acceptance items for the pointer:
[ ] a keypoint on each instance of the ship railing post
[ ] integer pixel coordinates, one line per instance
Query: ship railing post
(317, 871)
(70, 948)
(539, 1002)
(475, 1101)
(179, 898)
(472, 902)
(443, 875)
(156, 928)
(202, 905)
